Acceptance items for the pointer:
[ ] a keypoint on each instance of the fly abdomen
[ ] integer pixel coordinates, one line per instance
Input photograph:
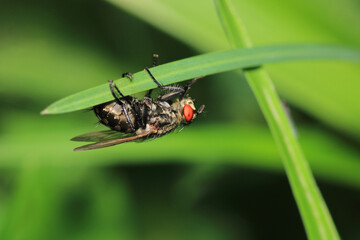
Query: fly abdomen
(112, 115)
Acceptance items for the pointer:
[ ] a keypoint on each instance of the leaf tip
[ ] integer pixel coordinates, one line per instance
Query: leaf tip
(44, 112)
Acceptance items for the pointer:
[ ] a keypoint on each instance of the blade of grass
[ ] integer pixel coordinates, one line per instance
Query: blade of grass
(316, 90)
(315, 215)
(201, 65)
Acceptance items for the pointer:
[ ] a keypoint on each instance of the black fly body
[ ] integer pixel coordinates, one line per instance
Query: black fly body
(132, 119)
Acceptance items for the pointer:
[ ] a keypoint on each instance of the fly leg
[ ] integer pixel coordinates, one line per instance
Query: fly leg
(155, 59)
(145, 112)
(155, 63)
(121, 103)
(140, 120)
(182, 93)
(128, 75)
(134, 107)
(174, 89)
(144, 116)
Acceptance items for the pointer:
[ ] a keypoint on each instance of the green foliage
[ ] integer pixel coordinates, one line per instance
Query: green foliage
(325, 90)
(201, 65)
(220, 178)
(315, 215)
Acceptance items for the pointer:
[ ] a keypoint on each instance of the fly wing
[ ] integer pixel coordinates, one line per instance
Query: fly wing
(101, 136)
(112, 142)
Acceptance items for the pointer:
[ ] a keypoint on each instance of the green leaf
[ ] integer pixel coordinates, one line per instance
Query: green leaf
(325, 90)
(200, 66)
(315, 215)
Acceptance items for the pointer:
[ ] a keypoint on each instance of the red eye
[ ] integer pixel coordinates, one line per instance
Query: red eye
(188, 112)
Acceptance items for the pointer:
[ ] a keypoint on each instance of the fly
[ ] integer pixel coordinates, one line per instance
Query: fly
(133, 119)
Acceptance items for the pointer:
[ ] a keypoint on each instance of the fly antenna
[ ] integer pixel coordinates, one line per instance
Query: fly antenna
(201, 109)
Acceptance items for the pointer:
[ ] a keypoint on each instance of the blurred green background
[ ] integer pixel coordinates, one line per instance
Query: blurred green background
(221, 177)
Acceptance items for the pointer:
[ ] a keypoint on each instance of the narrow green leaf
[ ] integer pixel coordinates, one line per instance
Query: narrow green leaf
(315, 215)
(202, 65)
(232, 25)
(325, 90)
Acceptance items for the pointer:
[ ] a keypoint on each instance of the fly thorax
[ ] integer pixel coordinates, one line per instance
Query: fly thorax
(161, 113)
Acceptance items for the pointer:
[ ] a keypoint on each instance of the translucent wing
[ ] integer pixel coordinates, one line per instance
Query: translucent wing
(101, 136)
(106, 141)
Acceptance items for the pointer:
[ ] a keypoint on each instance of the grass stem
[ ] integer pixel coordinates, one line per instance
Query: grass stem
(313, 210)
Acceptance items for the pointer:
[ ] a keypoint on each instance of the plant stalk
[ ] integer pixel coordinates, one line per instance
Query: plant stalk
(313, 210)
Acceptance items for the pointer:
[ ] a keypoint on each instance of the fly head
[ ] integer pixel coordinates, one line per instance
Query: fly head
(186, 110)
